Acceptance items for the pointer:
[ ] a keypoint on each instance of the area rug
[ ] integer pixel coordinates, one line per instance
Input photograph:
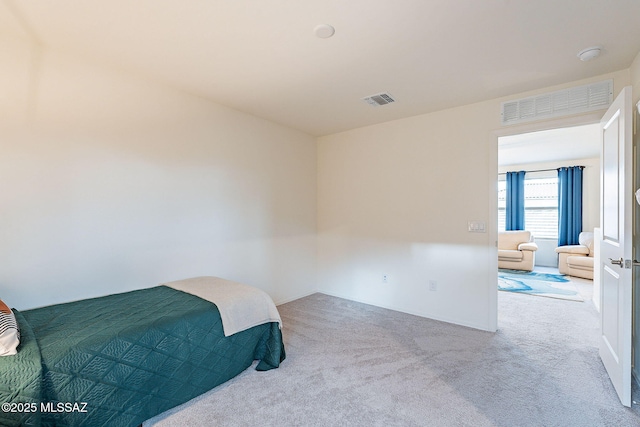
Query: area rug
(540, 284)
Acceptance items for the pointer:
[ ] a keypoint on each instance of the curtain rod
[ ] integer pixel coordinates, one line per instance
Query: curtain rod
(544, 170)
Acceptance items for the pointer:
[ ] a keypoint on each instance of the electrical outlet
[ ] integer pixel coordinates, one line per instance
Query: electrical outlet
(385, 278)
(433, 285)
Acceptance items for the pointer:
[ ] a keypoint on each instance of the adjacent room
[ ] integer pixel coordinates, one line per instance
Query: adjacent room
(538, 157)
(336, 163)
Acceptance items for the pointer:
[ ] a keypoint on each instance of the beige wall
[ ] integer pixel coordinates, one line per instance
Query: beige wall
(111, 183)
(395, 199)
(635, 80)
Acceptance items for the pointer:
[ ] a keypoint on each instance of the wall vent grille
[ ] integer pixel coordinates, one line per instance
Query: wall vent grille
(379, 99)
(580, 99)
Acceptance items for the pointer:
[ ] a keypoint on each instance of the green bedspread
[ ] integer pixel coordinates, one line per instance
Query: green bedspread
(121, 359)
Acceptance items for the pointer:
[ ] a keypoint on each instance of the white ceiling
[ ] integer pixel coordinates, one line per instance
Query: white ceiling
(262, 57)
(555, 145)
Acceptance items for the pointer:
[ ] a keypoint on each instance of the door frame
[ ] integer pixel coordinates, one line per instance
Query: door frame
(565, 122)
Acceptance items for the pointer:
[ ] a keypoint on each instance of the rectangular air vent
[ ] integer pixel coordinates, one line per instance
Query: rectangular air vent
(581, 99)
(379, 99)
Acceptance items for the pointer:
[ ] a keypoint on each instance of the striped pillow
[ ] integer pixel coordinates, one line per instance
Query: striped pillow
(9, 332)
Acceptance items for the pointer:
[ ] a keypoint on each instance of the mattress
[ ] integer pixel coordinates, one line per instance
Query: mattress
(122, 359)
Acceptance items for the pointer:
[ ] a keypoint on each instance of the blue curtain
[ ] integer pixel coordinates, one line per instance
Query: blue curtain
(569, 205)
(515, 201)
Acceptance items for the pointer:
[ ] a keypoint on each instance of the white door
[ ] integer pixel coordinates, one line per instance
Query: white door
(616, 246)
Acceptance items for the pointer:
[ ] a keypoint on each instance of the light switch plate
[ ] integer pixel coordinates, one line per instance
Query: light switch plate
(477, 227)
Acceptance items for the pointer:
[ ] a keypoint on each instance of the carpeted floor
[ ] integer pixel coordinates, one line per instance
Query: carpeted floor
(350, 364)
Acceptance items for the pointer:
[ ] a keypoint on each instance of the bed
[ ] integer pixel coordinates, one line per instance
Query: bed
(121, 359)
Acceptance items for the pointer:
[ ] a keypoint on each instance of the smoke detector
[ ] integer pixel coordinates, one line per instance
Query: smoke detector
(589, 53)
(324, 31)
(379, 99)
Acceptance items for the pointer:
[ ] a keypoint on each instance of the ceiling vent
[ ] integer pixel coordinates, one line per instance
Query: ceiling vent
(580, 99)
(379, 99)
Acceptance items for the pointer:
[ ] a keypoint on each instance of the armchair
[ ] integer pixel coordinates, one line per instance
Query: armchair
(516, 250)
(577, 260)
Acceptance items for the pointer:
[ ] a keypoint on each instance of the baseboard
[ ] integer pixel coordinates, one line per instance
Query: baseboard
(286, 300)
(394, 308)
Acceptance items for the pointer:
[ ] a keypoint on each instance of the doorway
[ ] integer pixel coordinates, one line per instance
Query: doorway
(545, 147)
(540, 154)
(578, 121)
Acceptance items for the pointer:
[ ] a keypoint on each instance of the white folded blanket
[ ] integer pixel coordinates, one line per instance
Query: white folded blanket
(241, 306)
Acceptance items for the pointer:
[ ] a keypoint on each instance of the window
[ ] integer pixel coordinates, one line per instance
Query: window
(540, 206)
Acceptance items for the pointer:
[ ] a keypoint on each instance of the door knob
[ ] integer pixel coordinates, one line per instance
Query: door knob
(619, 262)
